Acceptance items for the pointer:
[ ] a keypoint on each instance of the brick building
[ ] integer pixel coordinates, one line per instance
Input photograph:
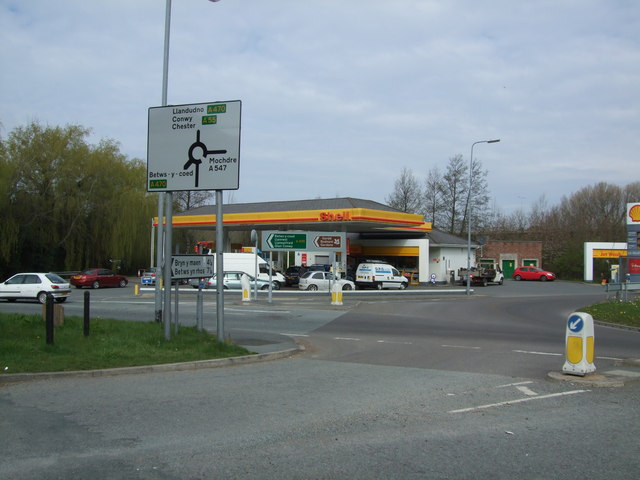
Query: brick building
(511, 254)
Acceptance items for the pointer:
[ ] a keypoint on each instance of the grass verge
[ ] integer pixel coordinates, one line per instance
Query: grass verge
(622, 313)
(111, 344)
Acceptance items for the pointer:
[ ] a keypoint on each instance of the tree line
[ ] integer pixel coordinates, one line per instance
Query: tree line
(592, 214)
(68, 205)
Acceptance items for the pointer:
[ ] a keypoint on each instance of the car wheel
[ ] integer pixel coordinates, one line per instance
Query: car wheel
(485, 282)
(379, 286)
(543, 278)
(95, 284)
(264, 287)
(312, 287)
(61, 300)
(346, 286)
(276, 285)
(403, 285)
(42, 297)
(501, 281)
(123, 283)
(78, 287)
(517, 277)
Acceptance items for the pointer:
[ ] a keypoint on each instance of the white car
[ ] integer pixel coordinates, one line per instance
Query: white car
(35, 286)
(319, 280)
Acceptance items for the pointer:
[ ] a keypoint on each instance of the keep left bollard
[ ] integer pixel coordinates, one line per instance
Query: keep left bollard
(246, 288)
(579, 345)
(336, 294)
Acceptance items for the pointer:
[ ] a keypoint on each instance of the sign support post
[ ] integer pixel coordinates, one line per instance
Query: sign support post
(166, 273)
(219, 268)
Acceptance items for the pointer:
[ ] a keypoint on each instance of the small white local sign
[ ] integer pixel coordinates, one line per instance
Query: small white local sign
(194, 147)
(191, 266)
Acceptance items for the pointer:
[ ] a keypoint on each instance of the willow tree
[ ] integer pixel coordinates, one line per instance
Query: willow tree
(75, 205)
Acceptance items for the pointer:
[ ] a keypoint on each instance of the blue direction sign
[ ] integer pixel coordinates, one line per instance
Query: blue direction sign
(575, 323)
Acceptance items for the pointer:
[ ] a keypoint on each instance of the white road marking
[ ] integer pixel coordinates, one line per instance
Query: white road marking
(460, 346)
(395, 343)
(528, 382)
(527, 391)
(347, 338)
(520, 400)
(538, 353)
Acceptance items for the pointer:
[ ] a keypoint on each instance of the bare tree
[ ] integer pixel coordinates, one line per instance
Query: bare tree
(433, 197)
(406, 195)
(454, 191)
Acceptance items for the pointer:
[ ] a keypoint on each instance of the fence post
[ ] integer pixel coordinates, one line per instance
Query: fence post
(86, 326)
(49, 319)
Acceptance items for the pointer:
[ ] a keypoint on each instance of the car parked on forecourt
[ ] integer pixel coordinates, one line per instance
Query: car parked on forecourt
(149, 276)
(232, 281)
(319, 280)
(35, 286)
(533, 273)
(292, 274)
(98, 277)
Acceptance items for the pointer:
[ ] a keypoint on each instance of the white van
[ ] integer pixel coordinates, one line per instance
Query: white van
(245, 262)
(379, 275)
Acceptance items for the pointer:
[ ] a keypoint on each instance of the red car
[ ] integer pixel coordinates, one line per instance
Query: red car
(98, 277)
(533, 273)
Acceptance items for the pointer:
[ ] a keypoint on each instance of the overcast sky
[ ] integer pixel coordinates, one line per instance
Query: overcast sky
(339, 95)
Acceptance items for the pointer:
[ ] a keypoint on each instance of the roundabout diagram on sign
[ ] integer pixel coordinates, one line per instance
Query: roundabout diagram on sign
(201, 148)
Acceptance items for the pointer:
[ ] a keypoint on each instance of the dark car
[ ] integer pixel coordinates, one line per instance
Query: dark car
(533, 273)
(292, 275)
(98, 277)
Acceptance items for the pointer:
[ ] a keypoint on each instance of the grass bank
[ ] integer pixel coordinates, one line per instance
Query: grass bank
(111, 344)
(621, 313)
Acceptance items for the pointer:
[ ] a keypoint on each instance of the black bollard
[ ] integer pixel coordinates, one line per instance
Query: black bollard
(86, 314)
(49, 319)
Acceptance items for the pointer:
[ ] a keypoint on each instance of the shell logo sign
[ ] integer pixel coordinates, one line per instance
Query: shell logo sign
(633, 213)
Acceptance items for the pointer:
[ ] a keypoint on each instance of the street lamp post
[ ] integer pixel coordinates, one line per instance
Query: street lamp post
(469, 212)
(165, 203)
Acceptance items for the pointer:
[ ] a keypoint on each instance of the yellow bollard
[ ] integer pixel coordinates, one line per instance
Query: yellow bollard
(136, 289)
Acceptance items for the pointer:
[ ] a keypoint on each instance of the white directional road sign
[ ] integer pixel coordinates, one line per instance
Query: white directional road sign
(191, 266)
(275, 240)
(194, 147)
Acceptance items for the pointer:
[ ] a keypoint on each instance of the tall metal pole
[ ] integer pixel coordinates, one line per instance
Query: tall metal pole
(469, 212)
(160, 254)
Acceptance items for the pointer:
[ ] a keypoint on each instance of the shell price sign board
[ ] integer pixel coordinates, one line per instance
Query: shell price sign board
(194, 147)
(633, 229)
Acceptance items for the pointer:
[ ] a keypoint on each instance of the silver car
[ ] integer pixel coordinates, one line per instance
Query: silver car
(232, 281)
(35, 286)
(320, 280)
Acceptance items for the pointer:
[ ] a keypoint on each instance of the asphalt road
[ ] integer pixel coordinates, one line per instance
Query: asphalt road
(429, 385)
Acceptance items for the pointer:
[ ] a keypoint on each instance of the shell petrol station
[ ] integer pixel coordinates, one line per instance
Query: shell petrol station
(372, 231)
